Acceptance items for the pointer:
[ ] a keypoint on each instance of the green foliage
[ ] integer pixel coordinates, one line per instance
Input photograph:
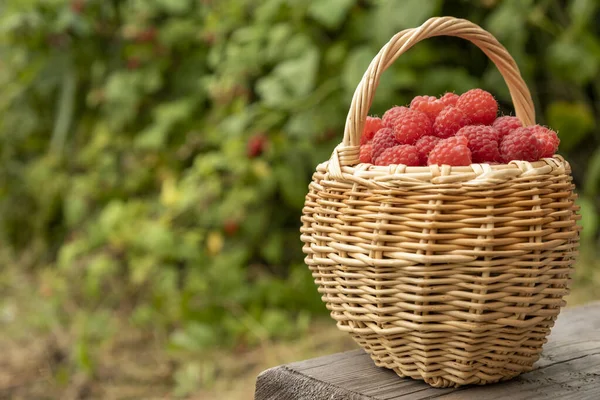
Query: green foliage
(574, 119)
(127, 173)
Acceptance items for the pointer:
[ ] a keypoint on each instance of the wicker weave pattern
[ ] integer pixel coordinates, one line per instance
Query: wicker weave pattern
(454, 275)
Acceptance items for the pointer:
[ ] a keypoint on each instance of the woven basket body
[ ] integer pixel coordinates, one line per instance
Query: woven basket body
(454, 275)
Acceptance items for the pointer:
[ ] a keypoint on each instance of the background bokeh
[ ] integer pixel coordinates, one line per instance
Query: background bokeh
(154, 157)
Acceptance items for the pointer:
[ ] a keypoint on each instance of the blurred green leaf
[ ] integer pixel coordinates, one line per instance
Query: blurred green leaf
(70, 252)
(273, 249)
(570, 60)
(142, 268)
(166, 117)
(195, 336)
(99, 268)
(582, 11)
(75, 208)
(592, 182)
(440, 80)
(589, 218)
(291, 79)
(65, 110)
(292, 181)
(83, 358)
(277, 40)
(191, 376)
(174, 6)
(112, 216)
(572, 121)
(355, 67)
(157, 238)
(330, 13)
(268, 9)
(391, 17)
(276, 323)
(297, 46)
(507, 22)
(299, 75)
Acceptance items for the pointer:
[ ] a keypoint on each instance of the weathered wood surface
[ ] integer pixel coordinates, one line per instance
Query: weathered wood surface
(569, 369)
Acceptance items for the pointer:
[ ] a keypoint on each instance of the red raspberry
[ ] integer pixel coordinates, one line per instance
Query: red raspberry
(256, 145)
(383, 139)
(483, 142)
(449, 121)
(401, 154)
(366, 153)
(231, 226)
(425, 145)
(548, 138)
(449, 99)
(147, 35)
(421, 99)
(133, 63)
(521, 144)
(77, 6)
(410, 126)
(427, 104)
(393, 113)
(452, 151)
(479, 105)
(372, 125)
(506, 124)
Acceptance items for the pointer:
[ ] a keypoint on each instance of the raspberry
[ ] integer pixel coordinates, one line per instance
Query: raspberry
(479, 105)
(521, 144)
(372, 125)
(449, 99)
(506, 124)
(366, 153)
(410, 126)
(231, 226)
(401, 154)
(427, 104)
(548, 138)
(483, 142)
(256, 145)
(414, 103)
(393, 113)
(425, 145)
(383, 139)
(452, 151)
(449, 121)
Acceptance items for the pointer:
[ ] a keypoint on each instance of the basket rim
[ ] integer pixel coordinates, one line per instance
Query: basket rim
(475, 174)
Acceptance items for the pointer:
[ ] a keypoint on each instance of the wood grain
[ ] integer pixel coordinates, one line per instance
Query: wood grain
(569, 369)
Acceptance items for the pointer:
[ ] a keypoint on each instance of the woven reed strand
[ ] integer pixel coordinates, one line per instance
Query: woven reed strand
(454, 275)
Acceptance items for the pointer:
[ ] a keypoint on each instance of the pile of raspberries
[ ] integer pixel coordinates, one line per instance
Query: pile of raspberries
(453, 130)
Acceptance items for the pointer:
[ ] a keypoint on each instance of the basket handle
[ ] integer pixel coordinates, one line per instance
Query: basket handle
(347, 152)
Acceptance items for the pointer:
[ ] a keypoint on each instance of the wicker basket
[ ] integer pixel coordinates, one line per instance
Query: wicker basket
(453, 275)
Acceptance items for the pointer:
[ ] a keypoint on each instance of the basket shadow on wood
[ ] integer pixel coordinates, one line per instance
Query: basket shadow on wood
(453, 275)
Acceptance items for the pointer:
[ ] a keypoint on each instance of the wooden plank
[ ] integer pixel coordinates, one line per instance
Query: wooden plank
(569, 369)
